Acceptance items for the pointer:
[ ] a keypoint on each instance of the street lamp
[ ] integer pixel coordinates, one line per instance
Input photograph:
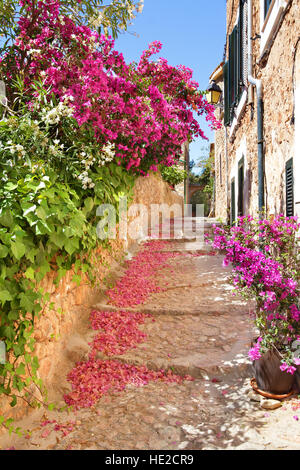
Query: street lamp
(213, 93)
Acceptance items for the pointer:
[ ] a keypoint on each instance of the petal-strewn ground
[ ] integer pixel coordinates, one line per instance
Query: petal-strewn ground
(165, 366)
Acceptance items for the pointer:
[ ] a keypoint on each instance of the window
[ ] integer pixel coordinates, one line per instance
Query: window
(235, 70)
(289, 188)
(271, 12)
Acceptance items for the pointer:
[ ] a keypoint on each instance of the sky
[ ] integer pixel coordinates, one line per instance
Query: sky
(192, 33)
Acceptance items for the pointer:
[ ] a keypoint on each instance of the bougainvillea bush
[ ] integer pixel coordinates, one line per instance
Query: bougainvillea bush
(264, 257)
(142, 112)
(78, 126)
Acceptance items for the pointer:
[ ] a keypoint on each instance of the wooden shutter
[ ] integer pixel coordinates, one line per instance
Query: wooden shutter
(242, 66)
(289, 188)
(232, 202)
(241, 187)
(237, 73)
(226, 95)
(233, 66)
(244, 42)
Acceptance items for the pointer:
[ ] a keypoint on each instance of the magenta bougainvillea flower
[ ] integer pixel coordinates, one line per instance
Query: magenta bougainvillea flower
(119, 332)
(263, 256)
(140, 278)
(145, 109)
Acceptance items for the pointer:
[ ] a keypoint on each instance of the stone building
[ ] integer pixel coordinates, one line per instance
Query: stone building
(257, 150)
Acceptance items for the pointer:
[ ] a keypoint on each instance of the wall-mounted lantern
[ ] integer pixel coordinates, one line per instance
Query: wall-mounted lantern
(213, 93)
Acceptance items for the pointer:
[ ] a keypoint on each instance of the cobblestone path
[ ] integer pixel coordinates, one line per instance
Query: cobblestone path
(200, 329)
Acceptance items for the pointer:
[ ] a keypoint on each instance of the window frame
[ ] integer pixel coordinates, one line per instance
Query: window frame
(269, 21)
(267, 4)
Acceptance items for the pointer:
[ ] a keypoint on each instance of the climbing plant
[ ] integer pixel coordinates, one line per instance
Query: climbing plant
(173, 175)
(47, 222)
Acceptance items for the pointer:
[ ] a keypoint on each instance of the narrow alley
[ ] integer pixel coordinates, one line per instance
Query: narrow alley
(179, 380)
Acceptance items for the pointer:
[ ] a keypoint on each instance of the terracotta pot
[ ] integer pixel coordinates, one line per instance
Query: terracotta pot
(268, 375)
(269, 395)
(297, 380)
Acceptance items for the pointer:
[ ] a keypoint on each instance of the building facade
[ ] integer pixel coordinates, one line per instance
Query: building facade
(257, 150)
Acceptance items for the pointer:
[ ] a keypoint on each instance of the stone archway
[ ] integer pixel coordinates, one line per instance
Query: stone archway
(198, 196)
(193, 188)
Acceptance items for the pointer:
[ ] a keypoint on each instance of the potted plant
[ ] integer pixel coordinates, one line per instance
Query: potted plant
(264, 257)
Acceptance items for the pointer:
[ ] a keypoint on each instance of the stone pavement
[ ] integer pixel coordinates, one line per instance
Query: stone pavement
(200, 329)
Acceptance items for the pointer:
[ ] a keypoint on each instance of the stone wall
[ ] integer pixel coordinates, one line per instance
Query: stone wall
(276, 69)
(72, 303)
(149, 194)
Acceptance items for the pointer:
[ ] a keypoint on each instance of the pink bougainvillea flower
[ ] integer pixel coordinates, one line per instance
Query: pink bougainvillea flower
(45, 433)
(92, 379)
(140, 278)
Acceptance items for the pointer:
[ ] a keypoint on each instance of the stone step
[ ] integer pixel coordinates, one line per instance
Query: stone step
(197, 349)
(204, 309)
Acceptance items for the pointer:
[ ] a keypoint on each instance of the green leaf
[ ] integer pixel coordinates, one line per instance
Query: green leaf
(35, 363)
(58, 239)
(27, 301)
(18, 350)
(21, 369)
(42, 228)
(89, 204)
(29, 208)
(8, 332)
(27, 358)
(77, 279)
(10, 186)
(71, 245)
(30, 255)
(3, 251)
(41, 213)
(6, 219)
(29, 273)
(14, 401)
(5, 296)
(18, 249)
